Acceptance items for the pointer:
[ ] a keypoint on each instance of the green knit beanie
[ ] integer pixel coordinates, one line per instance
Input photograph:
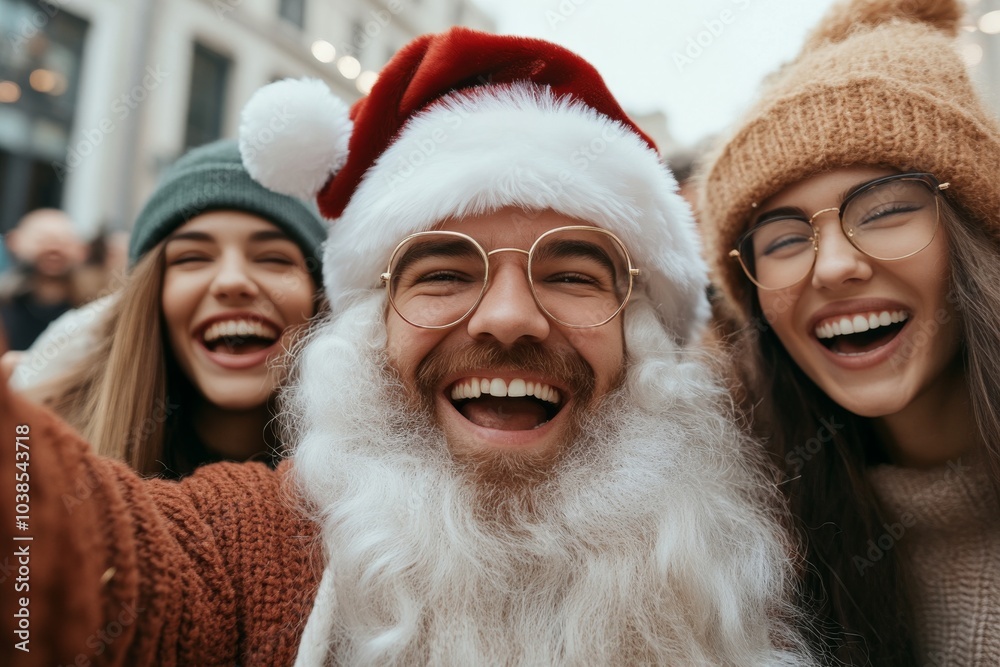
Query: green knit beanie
(212, 178)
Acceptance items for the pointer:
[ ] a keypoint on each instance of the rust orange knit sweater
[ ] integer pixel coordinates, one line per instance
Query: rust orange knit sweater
(218, 569)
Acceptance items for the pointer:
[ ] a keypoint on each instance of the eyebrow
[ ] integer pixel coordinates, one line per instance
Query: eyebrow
(849, 189)
(256, 237)
(575, 248)
(270, 235)
(780, 212)
(790, 210)
(419, 251)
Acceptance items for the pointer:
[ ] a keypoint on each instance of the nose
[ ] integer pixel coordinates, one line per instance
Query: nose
(837, 261)
(508, 312)
(232, 280)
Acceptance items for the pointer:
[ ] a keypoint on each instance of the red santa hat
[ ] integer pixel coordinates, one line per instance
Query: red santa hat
(464, 123)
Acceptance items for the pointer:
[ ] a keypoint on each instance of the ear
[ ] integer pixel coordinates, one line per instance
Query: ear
(294, 135)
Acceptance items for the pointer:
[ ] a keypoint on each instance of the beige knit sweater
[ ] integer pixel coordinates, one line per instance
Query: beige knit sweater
(948, 527)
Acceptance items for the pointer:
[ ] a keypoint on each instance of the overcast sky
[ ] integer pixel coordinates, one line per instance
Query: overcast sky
(699, 62)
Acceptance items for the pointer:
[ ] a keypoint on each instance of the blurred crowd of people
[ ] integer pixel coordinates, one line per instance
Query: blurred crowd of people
(47, 269)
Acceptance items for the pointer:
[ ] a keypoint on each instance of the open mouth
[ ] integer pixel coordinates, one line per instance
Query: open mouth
(507, 405)
(239, 337)
(854, 335)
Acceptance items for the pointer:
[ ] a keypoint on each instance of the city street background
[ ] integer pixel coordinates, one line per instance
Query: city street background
(97, 97)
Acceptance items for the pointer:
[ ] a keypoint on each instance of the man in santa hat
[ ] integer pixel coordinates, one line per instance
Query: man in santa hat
(506, 449)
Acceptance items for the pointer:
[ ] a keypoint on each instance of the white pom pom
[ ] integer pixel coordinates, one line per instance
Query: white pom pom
(293, 136)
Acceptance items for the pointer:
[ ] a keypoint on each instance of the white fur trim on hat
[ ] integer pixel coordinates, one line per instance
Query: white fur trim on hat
(294, 135)
(520, 146)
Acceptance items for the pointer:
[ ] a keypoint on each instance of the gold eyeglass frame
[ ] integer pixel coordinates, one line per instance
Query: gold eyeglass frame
(928, 179)
(633, 273)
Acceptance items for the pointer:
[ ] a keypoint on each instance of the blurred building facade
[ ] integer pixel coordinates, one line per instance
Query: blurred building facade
(981, 48)
(656, 125)
(97, 97)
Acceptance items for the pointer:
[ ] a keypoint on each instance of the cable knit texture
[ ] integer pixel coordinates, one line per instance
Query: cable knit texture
(218, 569)
(952, 544)
(879, 82)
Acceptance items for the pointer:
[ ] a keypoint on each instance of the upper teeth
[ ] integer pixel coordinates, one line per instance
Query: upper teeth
(241, 328)
(841, 326)
(476, 387)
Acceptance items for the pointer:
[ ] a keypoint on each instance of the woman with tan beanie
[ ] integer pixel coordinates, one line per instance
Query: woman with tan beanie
(853, 219)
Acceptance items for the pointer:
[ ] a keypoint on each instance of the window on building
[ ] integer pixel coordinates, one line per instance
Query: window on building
(209, 78)
(41, 56)
(293, 11)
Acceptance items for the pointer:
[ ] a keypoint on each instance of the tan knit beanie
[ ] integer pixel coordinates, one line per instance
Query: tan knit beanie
(879, 83)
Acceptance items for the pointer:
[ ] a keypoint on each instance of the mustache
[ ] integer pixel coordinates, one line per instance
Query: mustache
(564, 365)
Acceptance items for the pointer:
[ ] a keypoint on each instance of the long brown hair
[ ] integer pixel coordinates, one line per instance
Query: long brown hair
(863, 608)
(118, 396)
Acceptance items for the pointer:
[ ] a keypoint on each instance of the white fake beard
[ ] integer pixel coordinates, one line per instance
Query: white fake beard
(650, 541)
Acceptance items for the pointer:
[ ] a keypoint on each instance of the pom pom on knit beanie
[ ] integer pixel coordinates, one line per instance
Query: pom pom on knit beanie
(212, 178)
(464, 123)
(878, 83)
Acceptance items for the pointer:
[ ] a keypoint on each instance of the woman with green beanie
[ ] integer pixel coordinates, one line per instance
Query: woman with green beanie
(223, 279)
(853, 218)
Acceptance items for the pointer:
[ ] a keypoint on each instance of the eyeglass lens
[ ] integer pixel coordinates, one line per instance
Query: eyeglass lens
(579, 277)
(887, 221)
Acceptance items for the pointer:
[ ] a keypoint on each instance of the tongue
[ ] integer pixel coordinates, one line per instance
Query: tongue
(867, 341)
(247, 346)
(505, 414)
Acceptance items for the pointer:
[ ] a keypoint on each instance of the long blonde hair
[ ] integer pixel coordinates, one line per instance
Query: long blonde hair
(117, 397)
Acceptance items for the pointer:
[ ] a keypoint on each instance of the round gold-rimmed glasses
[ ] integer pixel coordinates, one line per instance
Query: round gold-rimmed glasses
(889, 218)
(579, 276)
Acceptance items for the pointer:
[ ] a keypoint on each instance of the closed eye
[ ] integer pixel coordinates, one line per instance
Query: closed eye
(276, 259)
(784, 243)
(442, 277)
(890, 210)
(779, 237)
(188, 259)
(572, 278)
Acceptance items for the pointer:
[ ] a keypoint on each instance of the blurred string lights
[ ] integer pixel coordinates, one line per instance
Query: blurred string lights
(41, 80)
(987, 23)
(348, 66)
(10, 92)
(55, 83)
(47, 81)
